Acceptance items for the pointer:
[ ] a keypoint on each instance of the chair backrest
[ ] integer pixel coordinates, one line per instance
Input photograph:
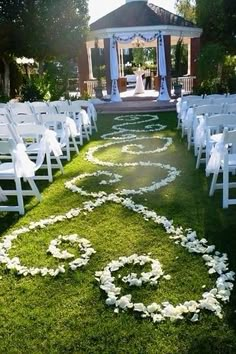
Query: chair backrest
(6, 147)
(4, 115)
(215, 96)
(42, 108)
(229, 137)
(230, 108)
(7, 131)
(25, 119)
(208, 109)
(19, 108)
(61, 106)
(30, 130)
(198, 102)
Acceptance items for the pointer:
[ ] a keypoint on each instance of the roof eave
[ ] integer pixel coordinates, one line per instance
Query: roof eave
(190, 32)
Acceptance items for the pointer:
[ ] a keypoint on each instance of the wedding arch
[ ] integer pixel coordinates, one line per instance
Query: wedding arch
(138, 20)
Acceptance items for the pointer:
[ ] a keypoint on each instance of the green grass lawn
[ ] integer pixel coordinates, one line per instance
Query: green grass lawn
(68, 314)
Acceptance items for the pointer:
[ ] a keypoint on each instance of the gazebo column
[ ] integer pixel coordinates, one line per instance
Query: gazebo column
(195, 51)
(83, 68)
(167, 42)
(157, 79)
(107, 62)
(189, 58)
(90, 65)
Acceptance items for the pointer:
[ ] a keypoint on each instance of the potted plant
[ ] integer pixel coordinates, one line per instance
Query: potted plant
(178, 58)
(97, 71)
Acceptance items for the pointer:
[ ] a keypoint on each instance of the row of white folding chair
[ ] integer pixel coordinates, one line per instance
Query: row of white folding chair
(207, 111)
(223, 160)
(191, 120)
(19, 167)
(40, 144)
(187, 102)
(73, 109)
(22, 113)
(88, 122)
(209, 132)
(64, 107)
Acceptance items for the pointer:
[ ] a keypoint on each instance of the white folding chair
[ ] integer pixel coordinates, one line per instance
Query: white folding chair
(91, 111)
(65, 129)
(20, 167)
(77, 112)
(207, 134)
(223, 159)
(20, 108)
(201, 111)
(61, 106)
(41, 144)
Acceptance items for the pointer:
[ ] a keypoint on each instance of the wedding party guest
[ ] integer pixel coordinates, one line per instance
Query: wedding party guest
(148, 79)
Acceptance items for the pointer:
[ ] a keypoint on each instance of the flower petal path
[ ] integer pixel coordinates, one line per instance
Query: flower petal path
(216, 262)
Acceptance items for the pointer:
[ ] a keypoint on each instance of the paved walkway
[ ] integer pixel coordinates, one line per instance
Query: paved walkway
(139, 103)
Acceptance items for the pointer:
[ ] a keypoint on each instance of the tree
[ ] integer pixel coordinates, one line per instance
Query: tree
(217, 18)
(186, 9)
(43, 29)
(230, 24)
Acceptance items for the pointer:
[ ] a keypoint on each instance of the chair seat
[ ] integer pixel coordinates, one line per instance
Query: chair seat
(216, 138)
(232, 159)
(7, 168)
(33, 148)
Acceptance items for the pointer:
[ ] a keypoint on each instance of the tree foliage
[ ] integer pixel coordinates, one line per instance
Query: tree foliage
(43, 28)
(187, 9)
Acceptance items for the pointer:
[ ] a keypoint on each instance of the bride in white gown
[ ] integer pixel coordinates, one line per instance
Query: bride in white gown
(139, 88)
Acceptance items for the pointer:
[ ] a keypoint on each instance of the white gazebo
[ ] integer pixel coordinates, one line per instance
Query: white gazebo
(139, 21)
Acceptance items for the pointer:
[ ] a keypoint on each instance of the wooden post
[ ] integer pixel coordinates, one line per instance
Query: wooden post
(195, 51)
(83, 65)
(107, 64)
(167, 41)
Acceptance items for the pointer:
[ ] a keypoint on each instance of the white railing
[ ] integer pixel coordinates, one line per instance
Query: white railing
(91, 84)
(186, 82)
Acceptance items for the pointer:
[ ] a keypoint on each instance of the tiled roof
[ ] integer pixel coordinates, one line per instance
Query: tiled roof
(139, 13)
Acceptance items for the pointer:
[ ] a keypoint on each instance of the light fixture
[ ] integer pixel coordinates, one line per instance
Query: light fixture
(138, 43)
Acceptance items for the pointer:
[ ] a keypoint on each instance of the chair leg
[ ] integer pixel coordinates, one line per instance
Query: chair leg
(225, 187)
(75, 145)
(59, 164)
(199, 156)
(95, 125)
(213, 183)
(49, 166)
(19, 196)
(34, 189)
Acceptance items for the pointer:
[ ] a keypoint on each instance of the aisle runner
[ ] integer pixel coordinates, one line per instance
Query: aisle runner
(124, 134)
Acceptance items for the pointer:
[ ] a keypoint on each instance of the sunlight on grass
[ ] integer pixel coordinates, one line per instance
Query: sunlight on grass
(68, 314)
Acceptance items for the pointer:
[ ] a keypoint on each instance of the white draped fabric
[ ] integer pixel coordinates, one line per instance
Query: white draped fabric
(124, 38)
(115, 95)
(23, 166)
(48, 142)
(217, 155)
(163, 94)
(200, 134)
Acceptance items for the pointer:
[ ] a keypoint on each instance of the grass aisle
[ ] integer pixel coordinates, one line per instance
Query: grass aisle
(68, 313)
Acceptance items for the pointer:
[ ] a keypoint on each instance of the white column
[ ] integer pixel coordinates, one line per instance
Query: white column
(122, 62)
(189, 58)
(119, 60)
(90, 65)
